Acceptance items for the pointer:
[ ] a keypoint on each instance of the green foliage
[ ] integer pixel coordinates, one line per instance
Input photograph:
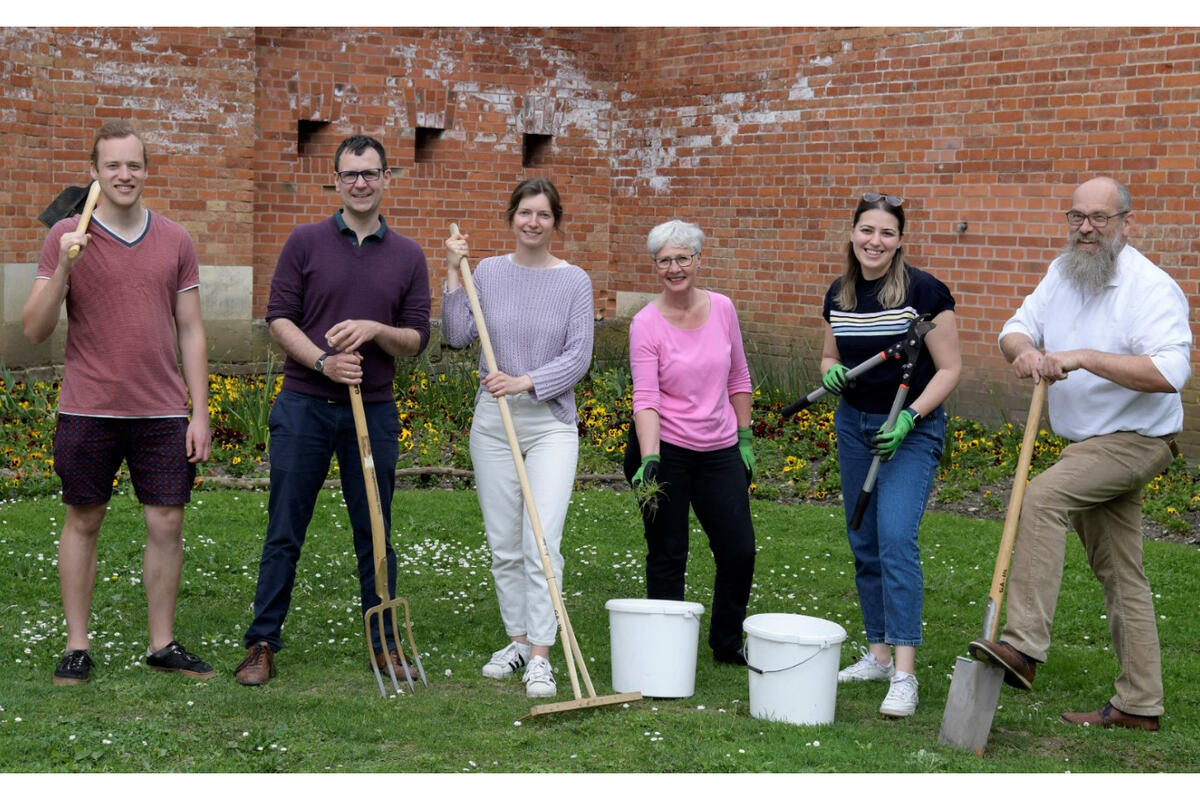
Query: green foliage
(239, 410)
(797, 457)
(323, 712)
(27, 413)
(243, 406)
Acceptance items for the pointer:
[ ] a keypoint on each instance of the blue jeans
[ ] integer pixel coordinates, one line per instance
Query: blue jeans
(887, 557)
(305, 432)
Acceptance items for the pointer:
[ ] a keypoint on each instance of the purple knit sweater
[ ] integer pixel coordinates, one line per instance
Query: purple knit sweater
(322, 279)
(540, 322)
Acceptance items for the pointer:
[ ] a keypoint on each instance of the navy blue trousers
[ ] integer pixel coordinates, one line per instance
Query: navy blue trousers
(306, 432)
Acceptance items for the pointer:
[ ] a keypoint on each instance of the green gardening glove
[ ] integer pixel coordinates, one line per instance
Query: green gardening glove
(746, 449)
(886, 443)
(647, 472)
(834, 379)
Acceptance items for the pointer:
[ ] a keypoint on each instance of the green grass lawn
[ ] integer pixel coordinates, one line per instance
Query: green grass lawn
(324, 713)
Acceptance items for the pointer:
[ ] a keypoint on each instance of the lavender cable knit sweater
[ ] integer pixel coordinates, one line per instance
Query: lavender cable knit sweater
(540, 322)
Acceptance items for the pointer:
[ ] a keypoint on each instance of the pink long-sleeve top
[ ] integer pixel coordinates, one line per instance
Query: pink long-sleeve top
(688, 376)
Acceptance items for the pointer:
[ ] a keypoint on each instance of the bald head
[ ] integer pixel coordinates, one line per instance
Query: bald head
(1103, 191)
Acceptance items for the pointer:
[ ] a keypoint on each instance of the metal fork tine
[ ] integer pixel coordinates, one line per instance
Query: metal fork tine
(371, 656)
(400, 649)
(376, 614)
(412, 643)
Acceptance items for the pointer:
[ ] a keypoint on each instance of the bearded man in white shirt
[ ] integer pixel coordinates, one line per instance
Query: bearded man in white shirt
(1109, 331)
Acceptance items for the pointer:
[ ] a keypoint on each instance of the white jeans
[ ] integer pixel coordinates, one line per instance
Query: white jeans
(551, 451)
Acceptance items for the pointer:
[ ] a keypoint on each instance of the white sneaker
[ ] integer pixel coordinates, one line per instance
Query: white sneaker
(867, 669)
(539, 679)
(507, 660)
(901, 700)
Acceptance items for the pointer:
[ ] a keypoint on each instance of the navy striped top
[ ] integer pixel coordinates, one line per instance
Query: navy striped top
(868, 328)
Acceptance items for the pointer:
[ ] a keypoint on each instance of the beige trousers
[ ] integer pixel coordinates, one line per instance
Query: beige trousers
(1096, 487)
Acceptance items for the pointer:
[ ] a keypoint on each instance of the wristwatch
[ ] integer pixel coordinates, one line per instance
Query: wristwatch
(319, 366)
(916, 415)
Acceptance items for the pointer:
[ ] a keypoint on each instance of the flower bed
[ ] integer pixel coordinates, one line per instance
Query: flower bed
(796, 458)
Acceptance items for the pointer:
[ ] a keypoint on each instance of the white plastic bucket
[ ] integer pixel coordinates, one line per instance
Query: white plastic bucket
(793, 664)
(653, 645)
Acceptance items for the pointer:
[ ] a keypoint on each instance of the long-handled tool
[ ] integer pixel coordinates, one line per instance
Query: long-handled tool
(70, 201)
(975, 685)
(570, 645)
(376, 614)
(906, 350)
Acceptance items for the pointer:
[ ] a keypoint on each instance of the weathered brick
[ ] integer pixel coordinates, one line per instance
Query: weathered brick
(763, 136)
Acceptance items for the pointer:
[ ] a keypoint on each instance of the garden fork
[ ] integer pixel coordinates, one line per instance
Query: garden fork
(375, 615)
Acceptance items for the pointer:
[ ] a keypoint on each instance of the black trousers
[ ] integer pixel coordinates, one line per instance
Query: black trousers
(715, 485)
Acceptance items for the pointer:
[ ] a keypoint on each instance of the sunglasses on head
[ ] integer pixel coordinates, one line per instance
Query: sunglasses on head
(890, 199)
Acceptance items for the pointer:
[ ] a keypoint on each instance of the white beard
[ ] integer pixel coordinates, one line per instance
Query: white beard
(1090, 272)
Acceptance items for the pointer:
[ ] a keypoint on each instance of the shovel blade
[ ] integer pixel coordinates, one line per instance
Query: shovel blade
(971, 704)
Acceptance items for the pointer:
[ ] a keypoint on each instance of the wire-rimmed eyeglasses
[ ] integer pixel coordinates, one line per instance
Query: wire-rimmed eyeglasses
(1098, 220)
(681, 261)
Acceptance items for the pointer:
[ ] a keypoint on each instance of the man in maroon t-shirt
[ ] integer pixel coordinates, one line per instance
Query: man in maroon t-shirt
(132, 292)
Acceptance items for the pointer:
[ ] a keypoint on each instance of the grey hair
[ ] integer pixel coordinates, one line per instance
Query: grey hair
(1124, 199)
(675, 232)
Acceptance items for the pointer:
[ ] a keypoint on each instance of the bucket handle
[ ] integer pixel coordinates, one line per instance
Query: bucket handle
(758, 671)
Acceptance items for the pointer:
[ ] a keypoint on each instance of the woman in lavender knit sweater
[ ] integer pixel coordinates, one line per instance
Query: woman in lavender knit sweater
(539, 313)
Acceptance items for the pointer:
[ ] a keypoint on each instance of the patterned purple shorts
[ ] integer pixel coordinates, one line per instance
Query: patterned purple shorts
(88, 451)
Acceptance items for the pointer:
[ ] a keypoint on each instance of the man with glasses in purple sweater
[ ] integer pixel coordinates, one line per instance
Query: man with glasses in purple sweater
(349, 295)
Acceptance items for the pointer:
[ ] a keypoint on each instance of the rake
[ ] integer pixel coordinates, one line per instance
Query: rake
(570, 645)
(377, 615)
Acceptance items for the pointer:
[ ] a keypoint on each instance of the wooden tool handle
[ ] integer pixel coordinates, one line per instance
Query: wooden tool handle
(88, 207)
(374, 503)
(1013, 516)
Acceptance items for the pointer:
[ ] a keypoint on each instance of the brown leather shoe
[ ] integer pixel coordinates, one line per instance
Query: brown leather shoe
(257, 667)
(1109, 717)
(1018, 667)
(397, 665)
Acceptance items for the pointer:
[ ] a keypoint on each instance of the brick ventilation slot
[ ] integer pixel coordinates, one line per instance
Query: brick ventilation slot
(535, 149)
(426, 140)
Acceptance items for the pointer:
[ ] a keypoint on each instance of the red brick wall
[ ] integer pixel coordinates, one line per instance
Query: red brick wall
(765, 137)
(484, 90)
(191, 92)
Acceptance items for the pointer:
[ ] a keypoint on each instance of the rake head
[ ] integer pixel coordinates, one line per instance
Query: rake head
(380, 620)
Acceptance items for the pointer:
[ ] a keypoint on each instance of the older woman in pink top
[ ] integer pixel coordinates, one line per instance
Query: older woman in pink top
(691, 434)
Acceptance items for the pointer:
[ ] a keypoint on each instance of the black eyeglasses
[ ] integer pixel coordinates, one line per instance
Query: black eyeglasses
(350, 177)
(1098, 220)
(890, 199)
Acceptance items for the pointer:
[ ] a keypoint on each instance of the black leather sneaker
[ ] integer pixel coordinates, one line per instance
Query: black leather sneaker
(173, 658)
(74, 669)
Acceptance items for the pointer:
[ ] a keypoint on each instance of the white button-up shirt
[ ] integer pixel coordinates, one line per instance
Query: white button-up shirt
(1141, 311)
